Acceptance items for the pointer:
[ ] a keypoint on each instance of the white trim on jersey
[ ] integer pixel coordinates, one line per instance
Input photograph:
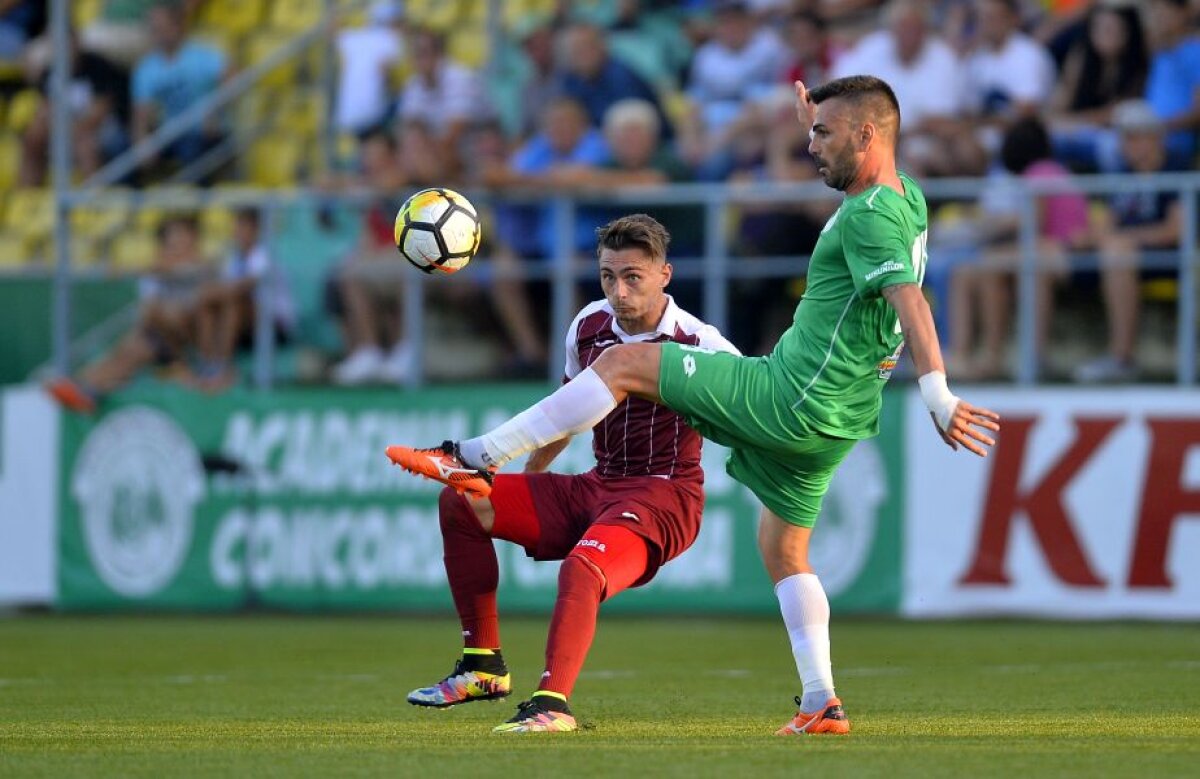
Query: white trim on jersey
(673, 317)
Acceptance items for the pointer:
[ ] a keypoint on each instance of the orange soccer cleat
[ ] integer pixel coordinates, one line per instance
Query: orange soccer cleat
(71, 395)
(444, 464)
(831, 720)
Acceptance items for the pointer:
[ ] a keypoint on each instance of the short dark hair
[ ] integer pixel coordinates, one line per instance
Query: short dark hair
(1025, 143)
(250, 215)
(867, 92)
(636, 231)
(189, 222)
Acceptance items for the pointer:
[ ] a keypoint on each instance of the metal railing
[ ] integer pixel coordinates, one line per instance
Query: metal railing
(718, 266)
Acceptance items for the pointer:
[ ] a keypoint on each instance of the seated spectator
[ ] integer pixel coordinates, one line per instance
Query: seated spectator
(176, 74)
(1134, 223)
(166, 326)
(543, 83)
(99, 103)
(982, 292)
(19, 22)
(365, 57)
(120, 33)
(551, 158)
(226, 311)
(591, 76)
(1105, 66)
(810, 58)
(926, 76)
(365, 291)
(444, 95)
(1173, 86)
(1009, 75)
(741, 63)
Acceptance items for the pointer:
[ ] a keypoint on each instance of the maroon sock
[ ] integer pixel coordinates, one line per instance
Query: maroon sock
(472, 570)
(609, 559)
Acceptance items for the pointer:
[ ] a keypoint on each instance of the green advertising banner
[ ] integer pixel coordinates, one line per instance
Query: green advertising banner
(176, 500)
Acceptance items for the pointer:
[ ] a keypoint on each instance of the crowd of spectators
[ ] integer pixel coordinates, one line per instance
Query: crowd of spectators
(640, 93)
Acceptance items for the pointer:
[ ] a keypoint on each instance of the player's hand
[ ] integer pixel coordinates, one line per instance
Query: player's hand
(967, 428)
(806, 109)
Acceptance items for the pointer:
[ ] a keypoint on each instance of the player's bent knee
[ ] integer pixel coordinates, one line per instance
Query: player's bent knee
(630, 368)
(457, 516)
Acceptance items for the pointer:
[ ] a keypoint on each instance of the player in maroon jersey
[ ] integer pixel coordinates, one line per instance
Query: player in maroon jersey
(612, 527)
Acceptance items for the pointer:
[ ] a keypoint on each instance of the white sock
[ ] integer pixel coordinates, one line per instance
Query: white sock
(806, 616)
(574, 407)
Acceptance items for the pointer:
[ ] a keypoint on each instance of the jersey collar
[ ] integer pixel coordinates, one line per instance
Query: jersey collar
(666, 324)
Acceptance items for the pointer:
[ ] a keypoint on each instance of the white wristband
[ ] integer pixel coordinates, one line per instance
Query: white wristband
(938, 397)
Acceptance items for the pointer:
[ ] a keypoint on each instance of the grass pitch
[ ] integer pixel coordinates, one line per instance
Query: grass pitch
(288, 696)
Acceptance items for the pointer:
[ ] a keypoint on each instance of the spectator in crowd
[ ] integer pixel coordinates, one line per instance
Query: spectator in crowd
(543, 83)
(176, 74)
(19, 21)
(595, 79)
(1134, 223)
(1009, 75)
(982, 291)
(810, 58)
(1173, 86)
(366, 289)
(166, 324)
(119, 31)
(226, 313)
(1105, 66)
(740, 64)
(365, 56)
(443, 94)
(550, 159)
(926, 76)
(98, 95)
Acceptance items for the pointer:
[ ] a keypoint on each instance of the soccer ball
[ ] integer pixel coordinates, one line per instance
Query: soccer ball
(438, 230)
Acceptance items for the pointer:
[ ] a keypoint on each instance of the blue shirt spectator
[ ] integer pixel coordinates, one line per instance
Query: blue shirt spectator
(1174, 81)
(597, 80)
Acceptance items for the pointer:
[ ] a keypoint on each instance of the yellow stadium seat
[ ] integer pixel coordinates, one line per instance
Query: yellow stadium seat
(10, 161)
(254, 109)
(30, 212)
(22, 108)
(218, 38)
(302, 113)
(259, 47)
(237, 16)
(217, 223)
(102, 220)
(132, 251)
(273, 160)
(84, 12)
(16, 250)
(295, 15)
(469, 46)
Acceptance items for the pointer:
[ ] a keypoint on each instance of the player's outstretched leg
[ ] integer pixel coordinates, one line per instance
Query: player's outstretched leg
(471, 567)
(607, 560)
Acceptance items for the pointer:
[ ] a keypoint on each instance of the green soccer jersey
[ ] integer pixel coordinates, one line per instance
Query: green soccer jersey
(845, 338)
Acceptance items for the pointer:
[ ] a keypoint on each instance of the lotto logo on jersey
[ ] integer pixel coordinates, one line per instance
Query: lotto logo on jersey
(593, 543)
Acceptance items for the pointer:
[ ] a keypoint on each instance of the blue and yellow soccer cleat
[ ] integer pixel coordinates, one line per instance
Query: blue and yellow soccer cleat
(539, 715)
(463, 686)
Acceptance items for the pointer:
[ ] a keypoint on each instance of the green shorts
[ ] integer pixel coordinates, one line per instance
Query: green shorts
(736, 402)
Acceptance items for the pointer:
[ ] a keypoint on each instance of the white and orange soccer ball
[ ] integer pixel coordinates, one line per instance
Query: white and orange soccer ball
(438, 230)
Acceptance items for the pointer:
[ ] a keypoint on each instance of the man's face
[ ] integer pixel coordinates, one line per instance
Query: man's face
(1143, 149)
(633, 284)
(585, 53)
(908, 29)
(633, 144)
(564, 125)
(996, 21)
(166, 28)
(733, 28)
(1164, 19)
(834, 142)
(425, 56)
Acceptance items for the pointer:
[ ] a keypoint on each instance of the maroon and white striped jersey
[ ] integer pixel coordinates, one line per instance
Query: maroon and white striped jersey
(640, 438)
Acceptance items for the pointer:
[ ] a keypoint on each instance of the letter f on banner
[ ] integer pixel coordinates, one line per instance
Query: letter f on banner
(1042, 504)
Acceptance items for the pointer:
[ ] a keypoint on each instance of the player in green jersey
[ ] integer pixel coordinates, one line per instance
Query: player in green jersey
(791, 417)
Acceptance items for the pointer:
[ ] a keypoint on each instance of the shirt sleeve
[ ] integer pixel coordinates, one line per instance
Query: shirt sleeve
(877, 252)
(711, 338)
(572, 367)
(142, 87)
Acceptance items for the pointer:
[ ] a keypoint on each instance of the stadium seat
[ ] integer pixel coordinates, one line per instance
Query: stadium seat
(440, 15)
(273, 160)
(237, 16)
(259, 47)
(102, 221)
(21, 109)
(10, 161)
(132, 251)
(216, 222)
(469, 46)
(15, 250)
(220, 39)
(84, 12)
(302, 112)
(642, 54)
(295, 16)
(30, 212)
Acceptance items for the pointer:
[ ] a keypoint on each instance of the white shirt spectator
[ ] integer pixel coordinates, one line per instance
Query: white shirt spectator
(256, 264)
(366, 53)
(931, 85)
(722, 79)
(1019, 71)
(455, 95)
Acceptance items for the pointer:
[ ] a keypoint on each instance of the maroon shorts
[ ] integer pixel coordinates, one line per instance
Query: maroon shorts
(665, 513)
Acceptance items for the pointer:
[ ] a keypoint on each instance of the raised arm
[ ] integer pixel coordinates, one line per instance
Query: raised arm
(957, 421)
